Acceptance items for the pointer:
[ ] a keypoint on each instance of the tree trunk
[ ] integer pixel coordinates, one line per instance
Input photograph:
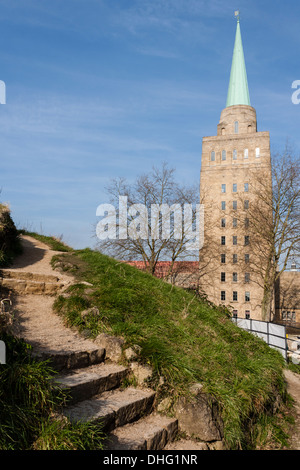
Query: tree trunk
(267, 303)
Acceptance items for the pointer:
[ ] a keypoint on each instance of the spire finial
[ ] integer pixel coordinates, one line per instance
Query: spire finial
(237, 15)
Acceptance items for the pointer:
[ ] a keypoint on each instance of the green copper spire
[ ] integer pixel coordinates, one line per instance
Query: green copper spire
(238, 92)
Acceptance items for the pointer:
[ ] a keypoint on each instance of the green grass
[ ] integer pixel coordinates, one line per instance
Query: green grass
(54, 243)
(183, 338)
(10, 245)
(29, 407)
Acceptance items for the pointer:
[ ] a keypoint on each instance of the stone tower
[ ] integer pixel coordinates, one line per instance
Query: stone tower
(230, 162)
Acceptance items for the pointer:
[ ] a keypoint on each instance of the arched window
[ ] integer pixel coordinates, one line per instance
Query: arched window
(223, 154)
(212, 156)
(236, 127)
(234, 155)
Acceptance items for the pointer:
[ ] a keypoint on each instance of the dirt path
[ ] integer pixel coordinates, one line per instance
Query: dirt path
(36, 258)
(34, 320)
(293, 384)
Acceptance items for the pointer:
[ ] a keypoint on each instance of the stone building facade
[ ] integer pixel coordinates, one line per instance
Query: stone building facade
(230, 268)
(287, 297)
(231, 163)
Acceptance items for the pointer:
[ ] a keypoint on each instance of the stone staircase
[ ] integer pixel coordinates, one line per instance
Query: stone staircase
(24, 283)
(91, 371)
(126, 414)
(94, 381)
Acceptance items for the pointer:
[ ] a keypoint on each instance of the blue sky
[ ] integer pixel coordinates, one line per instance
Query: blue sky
(97, 89)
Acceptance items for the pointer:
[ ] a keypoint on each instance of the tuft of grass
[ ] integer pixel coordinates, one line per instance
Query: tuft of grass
(30, 406)
(10, 245)
(61, 435)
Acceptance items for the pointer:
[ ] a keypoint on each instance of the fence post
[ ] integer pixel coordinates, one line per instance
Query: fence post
(2, 353)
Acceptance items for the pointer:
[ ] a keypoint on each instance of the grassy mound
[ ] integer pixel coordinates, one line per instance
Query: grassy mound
(10, 245)
(183, 337)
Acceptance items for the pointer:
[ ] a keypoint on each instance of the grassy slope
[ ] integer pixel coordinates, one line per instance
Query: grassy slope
(184, 338)
(9, 237)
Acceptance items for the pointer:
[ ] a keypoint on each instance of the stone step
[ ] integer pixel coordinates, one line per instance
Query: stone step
(22, 282)
(25, 287)
(114, 408)
(186, 444)
(67, 360)
(28, 276)
(82, 384)
(150, 433)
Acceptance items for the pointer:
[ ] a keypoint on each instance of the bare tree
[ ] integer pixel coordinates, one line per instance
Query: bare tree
(273, 223)
(156, 208)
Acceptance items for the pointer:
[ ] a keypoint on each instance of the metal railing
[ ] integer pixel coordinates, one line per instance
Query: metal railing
(273, 334)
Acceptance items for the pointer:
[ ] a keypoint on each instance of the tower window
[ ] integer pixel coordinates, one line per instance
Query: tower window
(223, 205)
(234, 187)
(234, 155)
(247, 314)
(247, 277)
(247, 296)
(247, 240)
(234, 296)
(223, 240)
(234, 240)
(223, 189)
(234, 277)
(246, 204)
(234, 222)
(223, 154)
(234, 259)
(223, 277)
(246, 154)
(212, 156)
(246, 187)
(257, 152)
(246, 222)
(223, 258)
(236, 127)
(234, 205)
(235, 313)
(223, 223)
(247, 258)
(223, 295)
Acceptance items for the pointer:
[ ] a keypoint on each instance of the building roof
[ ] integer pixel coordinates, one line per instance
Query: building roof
(163, 267)
(238, 92)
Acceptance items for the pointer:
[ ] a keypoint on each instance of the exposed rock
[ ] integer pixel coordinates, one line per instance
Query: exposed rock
(217, 445)
(199, 416)
(131, 353)
(141, 372)
(112, 345)
(164, 405)
(186, 444)
(93, 311)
